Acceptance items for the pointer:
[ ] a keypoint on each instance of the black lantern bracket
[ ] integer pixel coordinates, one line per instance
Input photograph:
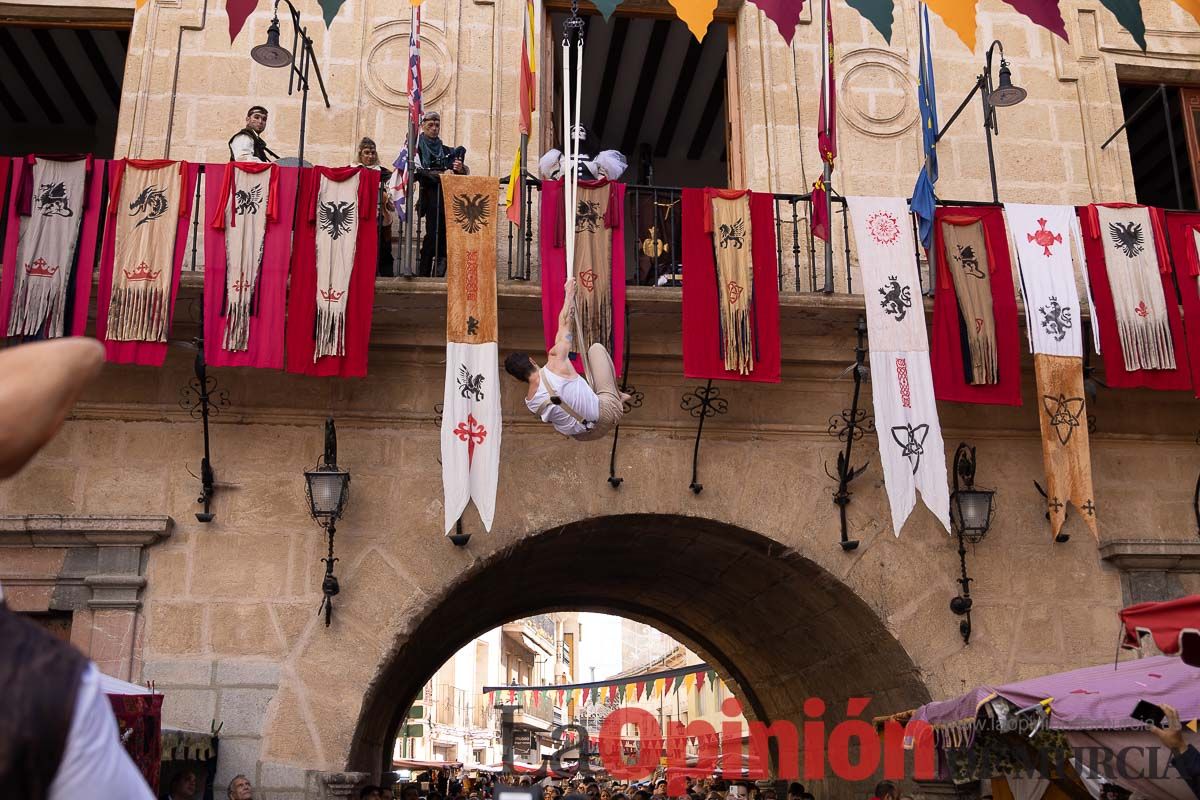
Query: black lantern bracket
(202, 398)
(635, 400)
(320, 482)
(971, 512)
(701, 403)
(848, 427)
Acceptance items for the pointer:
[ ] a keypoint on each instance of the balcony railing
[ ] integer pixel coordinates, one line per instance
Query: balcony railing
(653, 242)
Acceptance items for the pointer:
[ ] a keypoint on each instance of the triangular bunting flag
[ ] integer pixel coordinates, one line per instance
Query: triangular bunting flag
(658, 687)
(607, 7)
(697, 14)
(561, 693)
(668, 684)
(641, 689)
(330, 9)
(877, 12)
(689, 682)
(699, 681)
(629, 693)
(238, 11)
(1193, 726)
(1129, 15)
(786, 14)
(1046, 14)
(958, 16)
(1190, 6)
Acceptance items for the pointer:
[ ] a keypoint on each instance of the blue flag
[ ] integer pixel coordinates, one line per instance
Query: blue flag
(923, 199)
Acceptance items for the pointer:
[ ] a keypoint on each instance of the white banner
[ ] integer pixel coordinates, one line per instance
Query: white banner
(471, 430)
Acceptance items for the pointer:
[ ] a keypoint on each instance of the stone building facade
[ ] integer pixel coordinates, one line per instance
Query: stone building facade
(748, 573)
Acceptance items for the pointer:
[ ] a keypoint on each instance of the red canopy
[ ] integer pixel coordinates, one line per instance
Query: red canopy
(1174, 625)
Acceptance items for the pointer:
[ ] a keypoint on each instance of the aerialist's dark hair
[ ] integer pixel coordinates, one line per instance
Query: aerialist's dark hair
(257, 108)
(519, 366)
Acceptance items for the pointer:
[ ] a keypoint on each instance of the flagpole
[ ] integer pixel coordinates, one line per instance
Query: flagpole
(408, 206)
(519, 197)
(827, 173)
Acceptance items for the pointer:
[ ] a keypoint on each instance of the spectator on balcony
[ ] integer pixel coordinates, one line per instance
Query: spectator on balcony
(247, 144)
(432, 158)
(368, 156)
(609, 164)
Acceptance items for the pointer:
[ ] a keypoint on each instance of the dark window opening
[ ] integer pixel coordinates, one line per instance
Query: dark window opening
(654, 93)
(61, 91)
(1154, 174)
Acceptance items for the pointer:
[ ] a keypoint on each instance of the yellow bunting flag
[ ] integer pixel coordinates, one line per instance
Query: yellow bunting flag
(629, 693)
(697, 14)
(1190, 6)
(658, 687)
(689, 682)
(959, 16)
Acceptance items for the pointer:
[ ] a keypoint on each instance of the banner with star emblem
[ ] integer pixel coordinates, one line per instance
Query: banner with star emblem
(249, 208)
(471, 418)
(731, 294)
(334, 251)
(149, 208)
(599, 265)
(1138, 328)
(976, 345)
(1044, 237)
(1183, 233)
(911, 449)
(53, 222)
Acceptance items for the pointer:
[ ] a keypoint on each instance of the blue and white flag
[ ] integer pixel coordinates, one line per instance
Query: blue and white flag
(923, 198)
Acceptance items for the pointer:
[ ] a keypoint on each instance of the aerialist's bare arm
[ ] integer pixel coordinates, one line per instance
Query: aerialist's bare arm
(558, 355)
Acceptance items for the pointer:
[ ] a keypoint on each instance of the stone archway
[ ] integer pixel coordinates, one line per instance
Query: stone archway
(777, 627)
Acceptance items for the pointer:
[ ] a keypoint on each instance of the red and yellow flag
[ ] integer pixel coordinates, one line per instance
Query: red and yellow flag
(528, 91)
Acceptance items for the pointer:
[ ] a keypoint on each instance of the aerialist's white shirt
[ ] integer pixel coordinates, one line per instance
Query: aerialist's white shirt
(574, 391)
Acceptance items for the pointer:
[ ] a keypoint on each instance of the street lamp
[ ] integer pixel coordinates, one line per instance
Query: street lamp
(328, 488)
(1002, 95)
(272, 54)
(971, 512)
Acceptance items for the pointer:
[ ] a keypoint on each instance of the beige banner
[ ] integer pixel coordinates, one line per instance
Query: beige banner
(471, 206)
(735, 280)
(966, 255)
(593, 266)
(1062, 409)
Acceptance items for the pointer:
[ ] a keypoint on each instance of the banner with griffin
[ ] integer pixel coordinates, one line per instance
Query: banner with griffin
(1129, 294)
(731, 296)
(976, 345)
(54, 215)
(1043, 237)
(911, 449)
(249, 208)
(599, 265)
(333, 272)
(471, 417)
(149, 207)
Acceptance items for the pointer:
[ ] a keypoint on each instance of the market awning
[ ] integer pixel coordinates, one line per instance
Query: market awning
(412, 763)
(1174, 625)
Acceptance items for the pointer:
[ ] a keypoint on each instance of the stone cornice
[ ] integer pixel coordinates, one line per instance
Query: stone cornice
(1150, 554)
(54, 530)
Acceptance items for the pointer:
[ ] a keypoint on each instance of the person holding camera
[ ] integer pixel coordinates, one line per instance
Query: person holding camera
(432, 158)
(1184, 757)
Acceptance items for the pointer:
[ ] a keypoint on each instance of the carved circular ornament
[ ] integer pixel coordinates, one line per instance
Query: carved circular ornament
(878, 92)
(385, 69)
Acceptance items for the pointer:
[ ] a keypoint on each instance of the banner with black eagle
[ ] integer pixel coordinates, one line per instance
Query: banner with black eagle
(731, 294)
(471, 405)
(1043, 237)
(52, 230)
(911, 449)
(149, 208)
(976, 350)
(247, 246)
(333, 272)
(1135, 309)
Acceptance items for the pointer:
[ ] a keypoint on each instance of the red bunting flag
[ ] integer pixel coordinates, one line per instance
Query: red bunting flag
(641, 689)
(699, 681)
(667, 685)
(238, 12)
(1044, 13)
(784, 13)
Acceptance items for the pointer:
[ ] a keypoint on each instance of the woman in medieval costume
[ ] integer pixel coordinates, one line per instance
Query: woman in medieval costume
(368, 156)
(581, 409)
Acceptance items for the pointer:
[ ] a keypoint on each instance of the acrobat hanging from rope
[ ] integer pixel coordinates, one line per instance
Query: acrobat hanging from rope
(582, 409)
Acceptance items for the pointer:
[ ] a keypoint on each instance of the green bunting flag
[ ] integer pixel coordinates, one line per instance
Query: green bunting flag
(607, 7)
(330, 9)
(1129, 15)
(877, 12)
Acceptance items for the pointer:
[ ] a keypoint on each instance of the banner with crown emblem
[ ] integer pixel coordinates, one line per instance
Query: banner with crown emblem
(471, 416)
(150, 203)
(49, 205)
(1043, 237)
(333, 272)
(249, 206)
